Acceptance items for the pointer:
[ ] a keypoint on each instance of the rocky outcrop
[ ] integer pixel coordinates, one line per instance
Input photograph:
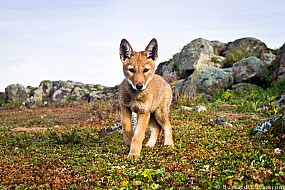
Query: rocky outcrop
(205, 82)
(199, 53)
(190, 55)
(218, 47)
(268, 58)
(168, 69)
(57, 91)
(43, 92)
(279, 73)
(243, 48)
(200, 66)
(15, 93)
(250, 70)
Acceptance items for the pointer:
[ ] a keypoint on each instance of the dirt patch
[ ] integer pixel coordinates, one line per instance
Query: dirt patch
(25, 129)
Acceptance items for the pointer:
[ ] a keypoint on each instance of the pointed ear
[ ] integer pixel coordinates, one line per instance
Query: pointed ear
(125, 50)
(151, 49)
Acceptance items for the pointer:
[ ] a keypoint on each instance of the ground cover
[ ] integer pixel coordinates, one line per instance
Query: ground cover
(75, 147)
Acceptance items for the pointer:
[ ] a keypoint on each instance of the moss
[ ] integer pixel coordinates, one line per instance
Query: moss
(240, 54)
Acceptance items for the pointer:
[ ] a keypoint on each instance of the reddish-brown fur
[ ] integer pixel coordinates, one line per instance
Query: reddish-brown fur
(146, 94)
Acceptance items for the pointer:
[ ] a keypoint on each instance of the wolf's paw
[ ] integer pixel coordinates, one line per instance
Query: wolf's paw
(149, 144)
(130, 156)
(169, 144)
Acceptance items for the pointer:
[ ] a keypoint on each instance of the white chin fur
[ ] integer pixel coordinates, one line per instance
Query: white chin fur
(131, 83)
(144, 86)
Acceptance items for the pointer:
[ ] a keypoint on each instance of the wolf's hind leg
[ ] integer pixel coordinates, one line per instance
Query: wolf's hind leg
(162, 117)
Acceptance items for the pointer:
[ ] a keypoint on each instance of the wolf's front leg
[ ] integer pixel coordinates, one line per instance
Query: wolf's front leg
(155, 130)
(136, 145)
(126, 115)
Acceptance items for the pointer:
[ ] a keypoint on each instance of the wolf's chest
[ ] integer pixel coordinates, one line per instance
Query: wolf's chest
(139, 103)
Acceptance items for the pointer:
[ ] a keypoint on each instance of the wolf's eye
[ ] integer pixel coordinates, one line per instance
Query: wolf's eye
(131, 70)
(145, 70)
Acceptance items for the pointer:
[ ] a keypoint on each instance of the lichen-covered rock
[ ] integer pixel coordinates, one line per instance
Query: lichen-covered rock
(268, 58)
(218, 47)
(46, 87)
(276, 126)
(279, 74)
(59, 96)
(243, 48)
(206, 81)
(68, 84)
(43, 92)
(90, 87)
(15, 93)
(190, 55)
(199, 53)
(167, 70)
(38, 95)
(250, 70)
(210, 60)
(78, 92)
(29, 103)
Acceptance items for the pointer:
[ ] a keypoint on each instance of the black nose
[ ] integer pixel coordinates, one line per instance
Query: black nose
(139, 86)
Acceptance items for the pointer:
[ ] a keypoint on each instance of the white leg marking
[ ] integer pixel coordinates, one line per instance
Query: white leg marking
(168, 141)
(153, 137)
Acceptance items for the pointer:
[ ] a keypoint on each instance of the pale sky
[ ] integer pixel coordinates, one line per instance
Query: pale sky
(79, 39)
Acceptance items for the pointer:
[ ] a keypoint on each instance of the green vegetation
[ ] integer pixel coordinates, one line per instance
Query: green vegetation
(78, 150)
(70, 98)
(251, 99)
(11, 104)
(239, 54)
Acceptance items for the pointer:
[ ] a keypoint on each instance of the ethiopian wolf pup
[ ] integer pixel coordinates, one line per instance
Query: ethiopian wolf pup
(146, 94)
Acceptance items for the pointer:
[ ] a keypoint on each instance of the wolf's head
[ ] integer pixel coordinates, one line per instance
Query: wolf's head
(139, 67)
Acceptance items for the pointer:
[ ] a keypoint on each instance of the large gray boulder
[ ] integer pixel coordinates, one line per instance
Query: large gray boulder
(218, 47)
(78, 92)
(167, 70)
(43, 92)
(268, 58)
(243, 48)
(250, 70)
(59, 96)
(46, 87)
(206, 81)
(199, 53)
(190, 54)
(68, 86)
(15, 93)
